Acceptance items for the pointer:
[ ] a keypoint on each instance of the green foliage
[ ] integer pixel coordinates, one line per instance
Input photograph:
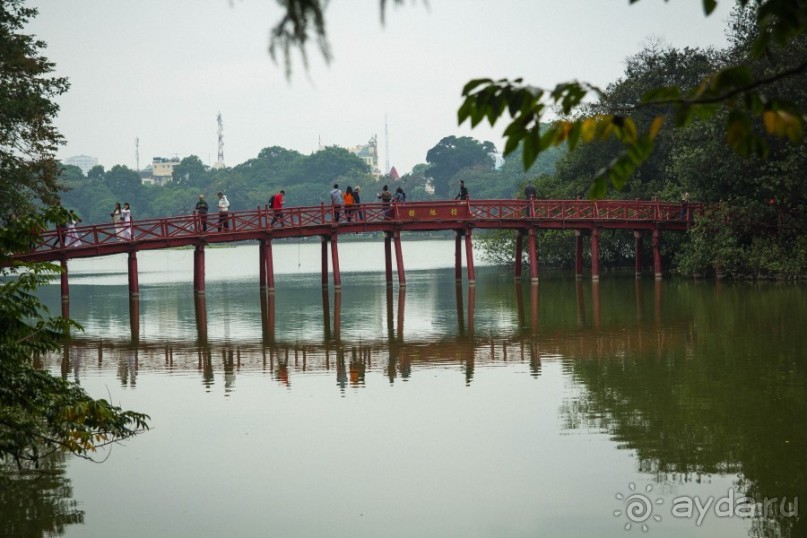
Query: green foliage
(39, 413)
(191, 172)
(455, 154)
(751, 109)
(28, 140)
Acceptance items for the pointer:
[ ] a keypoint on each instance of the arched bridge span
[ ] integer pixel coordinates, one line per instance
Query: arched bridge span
(527, 217)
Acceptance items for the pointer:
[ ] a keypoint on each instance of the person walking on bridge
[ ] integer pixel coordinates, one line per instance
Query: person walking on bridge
(350, 201)
(201, 211)
(336, 201)
(529, 195)
(126, 221)
(277, 208)
(386, 197)
(116, 219)
(463, 194)
(224, 212)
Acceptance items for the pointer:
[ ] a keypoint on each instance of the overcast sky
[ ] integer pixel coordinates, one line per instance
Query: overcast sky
(161, 70)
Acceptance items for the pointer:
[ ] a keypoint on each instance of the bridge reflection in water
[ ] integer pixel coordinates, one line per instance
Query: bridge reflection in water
(393, 354)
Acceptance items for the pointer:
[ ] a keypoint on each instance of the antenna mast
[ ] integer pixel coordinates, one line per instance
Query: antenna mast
(220, 162)
(137, 153)
(386, 146)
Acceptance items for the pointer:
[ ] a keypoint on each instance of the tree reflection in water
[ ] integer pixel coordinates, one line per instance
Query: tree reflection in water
(684, 380)
(700, 405)
(37, 502)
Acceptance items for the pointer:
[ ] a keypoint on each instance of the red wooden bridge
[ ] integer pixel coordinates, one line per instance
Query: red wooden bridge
(526, 217)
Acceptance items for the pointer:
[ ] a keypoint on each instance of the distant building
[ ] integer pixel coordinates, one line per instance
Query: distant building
(368, 153)
(85, 162)
(162, 169)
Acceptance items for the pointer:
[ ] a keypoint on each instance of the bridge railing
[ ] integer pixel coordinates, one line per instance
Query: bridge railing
(316, 216)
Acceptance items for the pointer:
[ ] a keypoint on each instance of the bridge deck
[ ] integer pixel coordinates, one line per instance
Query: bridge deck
(187, 230)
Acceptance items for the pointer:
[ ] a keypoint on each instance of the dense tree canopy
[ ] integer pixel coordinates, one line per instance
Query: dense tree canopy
(758, 206)
(28, 139)
(734, 87)
(39, 413)
(454, 154)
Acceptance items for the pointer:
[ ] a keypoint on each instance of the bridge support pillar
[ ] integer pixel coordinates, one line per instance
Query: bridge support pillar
(262, 265)
(578, 254)
(134, 287)
(519, 254)
(324, 261)
(637, 237)
(199, 269)
(65, 290)
(200, 309)
(267, 265)
(388, 258)
(595, 254)
(337, 278)
(533, 246)
(134, 317)
(469, 258)
(399, 259)
(458, 257)
(657, 253)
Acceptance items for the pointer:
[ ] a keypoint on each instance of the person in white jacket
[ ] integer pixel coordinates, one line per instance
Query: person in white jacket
(224, 210)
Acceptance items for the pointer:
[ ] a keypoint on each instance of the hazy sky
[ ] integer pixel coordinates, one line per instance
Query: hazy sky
(161, 70)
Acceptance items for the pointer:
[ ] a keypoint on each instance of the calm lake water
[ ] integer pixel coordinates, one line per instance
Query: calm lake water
(567, 409)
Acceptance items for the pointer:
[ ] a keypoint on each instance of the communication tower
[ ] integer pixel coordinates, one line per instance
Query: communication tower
(220, 161)
(386, 146)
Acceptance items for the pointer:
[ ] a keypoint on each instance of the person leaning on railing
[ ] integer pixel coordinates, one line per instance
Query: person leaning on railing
(224, 211)
(201, 211)
(529, 195)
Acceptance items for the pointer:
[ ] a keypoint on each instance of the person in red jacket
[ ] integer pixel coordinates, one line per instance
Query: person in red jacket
(277, 208)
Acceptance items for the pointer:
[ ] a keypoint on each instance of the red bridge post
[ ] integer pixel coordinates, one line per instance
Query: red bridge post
(469, 258)
(65, 290)
(657, 253)
(267, 265)
(199, 269)
(533, 246)
(388, 258)
(458, 257)
(595, 254)
(578, 254)
(637, 236)
(337, 278)
(134, 317)
(200, 308)
(134, 288)
(399, 259)
(324, 261)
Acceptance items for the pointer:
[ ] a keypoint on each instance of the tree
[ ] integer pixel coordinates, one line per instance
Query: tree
(733, 87)
(39, 414)
(452, 155)
(70, 173)
(28, 138)
(96, 173)
(190, 172)
(124, 182)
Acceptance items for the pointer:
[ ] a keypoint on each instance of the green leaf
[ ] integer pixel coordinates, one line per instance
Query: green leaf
(471, 85)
